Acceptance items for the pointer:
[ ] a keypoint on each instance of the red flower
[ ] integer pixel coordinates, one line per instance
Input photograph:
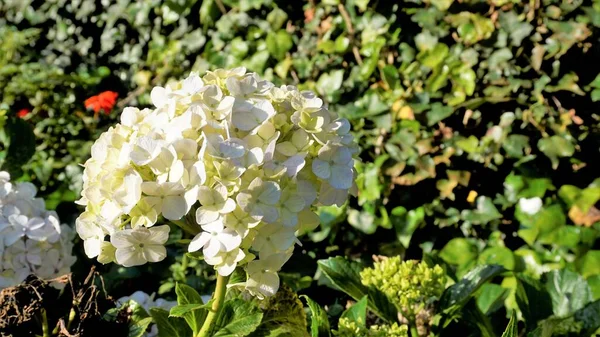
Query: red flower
(23, 112)
(104, 101)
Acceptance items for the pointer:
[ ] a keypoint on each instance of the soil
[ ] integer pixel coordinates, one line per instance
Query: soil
(76, 310)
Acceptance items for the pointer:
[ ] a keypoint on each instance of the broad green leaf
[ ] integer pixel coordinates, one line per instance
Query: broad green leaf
(406, 223)
(556, 147)
(438, 113)
(189, 306)
(345, 275)
(583, 323)
(319, 323)
(589, 318)
(533, 300)
(283, 316)
(183, 310)
(471, 313)
(238, 318)
(169, 326)
(498, 255)
(458, 294)
(138, 328)
(491, 297)
(357, 312)
(511, 329)
(589, 264)
(568, 291)
(459, 251)
(442, 4)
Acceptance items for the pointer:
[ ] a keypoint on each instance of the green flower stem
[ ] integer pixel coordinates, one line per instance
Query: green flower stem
(45, 328)
(215, 308)
(413, 331)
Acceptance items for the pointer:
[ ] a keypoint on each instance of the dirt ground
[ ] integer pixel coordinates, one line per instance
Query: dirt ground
(78, 309)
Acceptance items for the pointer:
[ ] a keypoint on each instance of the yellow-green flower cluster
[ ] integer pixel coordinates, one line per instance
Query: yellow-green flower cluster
(348, 328)
(385, 330)
(410, 285)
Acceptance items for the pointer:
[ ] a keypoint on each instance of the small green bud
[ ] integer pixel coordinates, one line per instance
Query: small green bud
(410, 285)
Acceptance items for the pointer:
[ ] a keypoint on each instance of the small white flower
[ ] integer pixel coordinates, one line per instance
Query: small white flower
(23, 226)
(260, 200)
(225, 262)
(140, 245)
(215, 238)
(263, 280)
(335, 165)
(166, 198)
(530, 205)
(214, 204)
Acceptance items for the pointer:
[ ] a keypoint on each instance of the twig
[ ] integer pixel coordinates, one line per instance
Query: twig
(221, 7)
(350, 29)
(132, 95)
(346, 18)
(63, 329)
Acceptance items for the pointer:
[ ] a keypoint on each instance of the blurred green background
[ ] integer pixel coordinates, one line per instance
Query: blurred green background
(466, 112)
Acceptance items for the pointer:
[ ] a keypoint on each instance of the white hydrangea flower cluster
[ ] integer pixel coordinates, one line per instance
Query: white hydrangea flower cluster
(147, 302)
(32, 240)
(250, 160)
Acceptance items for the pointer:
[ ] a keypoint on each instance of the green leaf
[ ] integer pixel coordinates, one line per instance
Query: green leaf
(406, 223)
(238, 318)
(459, 251)
(438, 113)
(491, 297)
(189, 302)
(471, 313)
(589, 317)
(568, 291)
(498, 255)
(556, 147)
(169, 326)
(533, 300)
(345, 275)
(458, 294)
(279, 43)
(357, 312)
(138, 328)
(442, 4)
(182, 310)
(589, 264)
(511, 329)
(329, 85)
(319, 323)
(283, 316)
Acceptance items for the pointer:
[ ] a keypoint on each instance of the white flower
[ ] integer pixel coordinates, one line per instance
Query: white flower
(225, 262)
(273, 238)
(92, 235)
(335, 165)
(530, 205)
(32, 241)
(260, 200)
(251, 160)
(166, 198)
(263, 280)
(214, 203)
(22, 226)
(215, 238)
(140, 245)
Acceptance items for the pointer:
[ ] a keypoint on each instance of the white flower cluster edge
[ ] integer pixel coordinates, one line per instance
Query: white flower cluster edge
(246, 160)
(32, 240)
